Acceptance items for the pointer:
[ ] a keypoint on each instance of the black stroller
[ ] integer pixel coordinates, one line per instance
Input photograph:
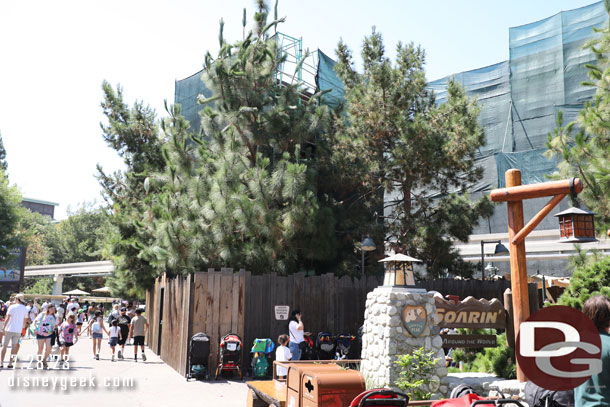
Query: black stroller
(325, 345)
(199, 353)
(343, 346)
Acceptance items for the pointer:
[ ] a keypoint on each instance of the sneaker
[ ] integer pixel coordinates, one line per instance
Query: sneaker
(135, 358)
(44, 365)
(9, 366)
(97, 356)
(143, 357)
(112, 358)
(120, 354)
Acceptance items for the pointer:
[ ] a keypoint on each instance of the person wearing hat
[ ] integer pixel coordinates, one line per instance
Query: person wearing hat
(124, 321)
(16, 317)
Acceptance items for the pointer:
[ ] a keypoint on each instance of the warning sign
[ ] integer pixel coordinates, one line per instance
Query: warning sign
(282, 312)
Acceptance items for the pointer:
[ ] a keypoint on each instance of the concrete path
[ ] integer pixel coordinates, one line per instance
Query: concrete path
(99, 383)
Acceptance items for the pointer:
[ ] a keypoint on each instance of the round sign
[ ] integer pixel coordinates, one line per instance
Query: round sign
(558, 348)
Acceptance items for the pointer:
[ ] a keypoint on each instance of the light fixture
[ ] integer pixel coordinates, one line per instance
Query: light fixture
(367, 245)
(399, 271)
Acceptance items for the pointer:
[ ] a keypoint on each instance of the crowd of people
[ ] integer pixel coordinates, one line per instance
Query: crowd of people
(58, 327)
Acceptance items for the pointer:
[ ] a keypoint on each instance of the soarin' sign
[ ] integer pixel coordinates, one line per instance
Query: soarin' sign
(471, 313)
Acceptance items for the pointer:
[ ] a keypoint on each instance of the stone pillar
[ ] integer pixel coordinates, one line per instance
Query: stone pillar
(386, 336)
(58, 284)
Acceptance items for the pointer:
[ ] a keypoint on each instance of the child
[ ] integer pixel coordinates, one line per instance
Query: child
(137, 330)
(282, 354)
(69, 336)
(114, 335)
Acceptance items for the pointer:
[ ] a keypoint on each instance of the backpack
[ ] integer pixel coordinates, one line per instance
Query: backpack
(536, 396)
(261, 365)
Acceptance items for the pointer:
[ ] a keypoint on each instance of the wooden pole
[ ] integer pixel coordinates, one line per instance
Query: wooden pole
(550, 188)
(531, 225)
(518, 265)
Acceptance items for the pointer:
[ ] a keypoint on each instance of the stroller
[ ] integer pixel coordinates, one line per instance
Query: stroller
(380, 398)
(464, 396)
(230, 355)
(308, 352)
(343, 345)
(199, 352)
(325, 345)
(262, 359)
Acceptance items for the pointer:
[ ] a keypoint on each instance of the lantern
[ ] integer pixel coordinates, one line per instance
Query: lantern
(399, 271)
(576, 226)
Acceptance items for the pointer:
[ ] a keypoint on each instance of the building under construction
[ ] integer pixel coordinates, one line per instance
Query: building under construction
(519, 100)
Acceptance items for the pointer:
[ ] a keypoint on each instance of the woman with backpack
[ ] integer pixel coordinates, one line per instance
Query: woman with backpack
(97, 327)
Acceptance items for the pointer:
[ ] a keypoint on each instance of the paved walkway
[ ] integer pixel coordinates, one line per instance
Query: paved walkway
(106, 383)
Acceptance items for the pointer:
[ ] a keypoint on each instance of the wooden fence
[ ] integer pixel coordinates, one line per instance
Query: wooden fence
(218, 303)
(221, 302)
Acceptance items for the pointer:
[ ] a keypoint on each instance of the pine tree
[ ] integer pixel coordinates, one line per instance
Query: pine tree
(244, 194)
(3, 163)
(398, 142)
(583, 147)
(134, 134)
(10, 214)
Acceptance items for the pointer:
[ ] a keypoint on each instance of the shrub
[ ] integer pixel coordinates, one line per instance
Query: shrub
(499, 360)
(417, 369)
(588, 279)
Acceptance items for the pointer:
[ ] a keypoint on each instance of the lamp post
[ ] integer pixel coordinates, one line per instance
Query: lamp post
(500, 249)
(399, 271)
(367, 245)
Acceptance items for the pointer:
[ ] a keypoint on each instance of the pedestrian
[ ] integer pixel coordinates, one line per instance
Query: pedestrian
(85, 308)
(124, 322)
(3, 309)
(68, 334)
(282, 354)
(80, 316)
(596, 390)
(137, 330)
(72, 305)
(45, 326)
(114, 336)
(61, 313)
(16, 316)
(90, 315)
(96, 325)
(297, 339)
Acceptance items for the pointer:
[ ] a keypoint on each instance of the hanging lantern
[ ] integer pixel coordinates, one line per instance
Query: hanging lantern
(576, 226)
(399, 271)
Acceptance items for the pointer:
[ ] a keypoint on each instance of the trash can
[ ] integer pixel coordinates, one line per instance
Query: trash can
(330, 388)
(295, 375)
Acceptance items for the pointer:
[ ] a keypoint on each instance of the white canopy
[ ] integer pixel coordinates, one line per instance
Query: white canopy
(398, 257)
(102, 290)
(76, 292)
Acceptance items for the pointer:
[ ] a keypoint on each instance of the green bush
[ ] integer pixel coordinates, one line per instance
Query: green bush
(588, 279)
(499, 360)
(417, 369)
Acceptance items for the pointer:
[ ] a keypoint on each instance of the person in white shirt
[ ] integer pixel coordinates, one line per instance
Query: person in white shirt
(297, 338)
(72, 306)
(16, 316)
(282, 354)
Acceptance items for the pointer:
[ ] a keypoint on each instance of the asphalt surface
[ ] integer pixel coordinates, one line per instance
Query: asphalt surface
(99, 383)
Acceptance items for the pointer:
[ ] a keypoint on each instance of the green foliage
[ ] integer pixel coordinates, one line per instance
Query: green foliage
(583, 147)
(3, 163)
(40, 286)
(395, 140)
(416, 370)
(134, 134)
(244, 193)
(10, 212)
(589, 278)
(499, 360)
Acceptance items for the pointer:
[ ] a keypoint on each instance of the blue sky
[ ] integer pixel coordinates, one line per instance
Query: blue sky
(55, 55)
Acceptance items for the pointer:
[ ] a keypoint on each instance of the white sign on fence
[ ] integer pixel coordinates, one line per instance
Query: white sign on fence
(282, 312)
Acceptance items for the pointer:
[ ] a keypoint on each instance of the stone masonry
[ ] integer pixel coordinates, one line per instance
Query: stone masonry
(386, 337)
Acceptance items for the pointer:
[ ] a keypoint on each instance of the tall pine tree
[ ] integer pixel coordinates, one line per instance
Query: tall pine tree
(420, 156)
(244, 195)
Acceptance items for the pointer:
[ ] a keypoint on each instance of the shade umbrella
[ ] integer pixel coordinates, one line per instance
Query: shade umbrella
(76, 292)
(104, 290)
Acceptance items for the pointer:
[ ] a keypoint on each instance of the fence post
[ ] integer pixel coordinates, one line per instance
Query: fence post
(510, 324)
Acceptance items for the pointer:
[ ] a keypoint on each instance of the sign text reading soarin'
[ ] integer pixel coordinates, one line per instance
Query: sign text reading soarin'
(471, 313)
(468, 317)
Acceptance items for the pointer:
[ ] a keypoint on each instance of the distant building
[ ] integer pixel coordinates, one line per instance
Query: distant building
(42, 207)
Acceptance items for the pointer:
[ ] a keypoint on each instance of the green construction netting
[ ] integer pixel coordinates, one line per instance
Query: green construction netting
(532, 164)
(327, 79)
(185, 94)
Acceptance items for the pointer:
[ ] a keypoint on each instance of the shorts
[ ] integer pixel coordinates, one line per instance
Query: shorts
(13, 337)
(1, 326)
(97, 335)
(67, 344)
(123, 340)
(113, 341)
(79, 323)
(43, 337)
(138, 340)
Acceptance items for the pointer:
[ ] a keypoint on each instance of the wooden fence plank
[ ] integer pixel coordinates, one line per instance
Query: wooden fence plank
(235, 304)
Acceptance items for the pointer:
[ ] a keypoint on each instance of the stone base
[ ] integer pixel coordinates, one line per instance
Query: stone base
(386, 338)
